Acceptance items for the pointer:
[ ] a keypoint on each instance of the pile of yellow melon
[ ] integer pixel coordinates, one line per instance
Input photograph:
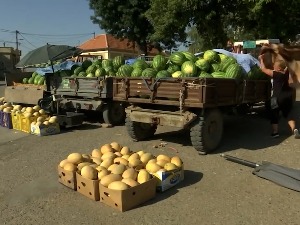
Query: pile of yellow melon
(117, 167)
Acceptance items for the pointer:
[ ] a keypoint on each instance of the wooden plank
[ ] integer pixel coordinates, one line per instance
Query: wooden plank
(23, 95)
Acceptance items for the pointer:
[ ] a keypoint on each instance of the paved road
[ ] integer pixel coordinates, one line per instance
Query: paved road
(215, 191)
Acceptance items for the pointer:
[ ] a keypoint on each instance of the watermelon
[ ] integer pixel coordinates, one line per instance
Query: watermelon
(91, 69)
(149, 72)
(173, 68)
(159, 62)
(34, 74)
(97, 62)
(125, 71)
(73, 68)
(177, 74)
(25, 80)
(31, 80)
(100, 72)
(36, 79)
(255, 73)
(218, 74)
(177, 58)
(108, 68)
(190, 56)
(222, 57)
(204, 74)
(140, 63)
(82, 74)
(107, 63)
(215, 67)
(78, 70)
(86, 63)
(41, 81)
(234, 71)
(203, 64)
(163, 74)
(112, 73)
(189, 69)
(90, 75)
(211, 56)
(65, 73)
(227, 62)
(137, 72)
(118, 61)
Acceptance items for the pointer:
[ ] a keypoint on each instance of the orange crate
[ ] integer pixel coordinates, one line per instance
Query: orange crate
(26, 123)
(16, 121)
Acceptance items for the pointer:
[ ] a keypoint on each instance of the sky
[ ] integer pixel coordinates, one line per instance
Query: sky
(45, 21)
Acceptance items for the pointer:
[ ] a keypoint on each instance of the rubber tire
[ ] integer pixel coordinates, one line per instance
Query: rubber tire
(114, 113)
(203, 139)
(139, 131)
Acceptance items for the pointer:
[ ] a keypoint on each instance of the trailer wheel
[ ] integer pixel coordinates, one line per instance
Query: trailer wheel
(139, 131)
(114, 113)
(207, 131)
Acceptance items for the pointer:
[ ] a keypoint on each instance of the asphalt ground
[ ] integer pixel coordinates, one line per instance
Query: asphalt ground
(215, 191)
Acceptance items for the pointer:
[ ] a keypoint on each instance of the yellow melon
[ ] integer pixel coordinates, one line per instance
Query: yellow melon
(96, 153)
(170, 166)
(86, 158)
(121, 161)
(75, 158)
(126, 157)
(29, 110)
(36, 114)
(152, 167)
(130, 173)
(106, 148)
(103, 173)
(140, 153)
(143, 176)
(146, 157)
(161, 162)
(36, 108)
(106, 180)
(116, 146)
(133, 156)
(53, 119)
(118, 185)
(125, 150)
(81, 165)
(177, 161)
(63, 162)
(108, 155)
(118, 154)
(118, 169)
(96, 160)
(163, 157)
(134, 162)
(42, 112)
(70, 167)
(89, 172)
(107, 162)
(130, 182)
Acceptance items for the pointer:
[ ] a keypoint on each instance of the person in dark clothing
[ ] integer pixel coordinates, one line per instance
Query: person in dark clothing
(284, 94)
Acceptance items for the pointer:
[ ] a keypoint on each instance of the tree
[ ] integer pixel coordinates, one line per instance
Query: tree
(124, 19)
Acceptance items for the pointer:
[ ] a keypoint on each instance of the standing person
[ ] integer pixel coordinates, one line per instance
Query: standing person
(284, 94)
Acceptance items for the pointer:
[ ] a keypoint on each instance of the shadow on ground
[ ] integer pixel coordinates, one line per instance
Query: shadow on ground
(190, 178)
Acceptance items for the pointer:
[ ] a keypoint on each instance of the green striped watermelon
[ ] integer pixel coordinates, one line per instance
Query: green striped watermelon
(177, 58)
(100, 72)
(149, 72)
(173, 68)
(97, 62)
(211, 56)
(140, 63)
(218, 74)
(107, 63)
(190, 56)
(136, 72)
(163, 74)
(203, 64)
(226, 63)
(234, 71)
(125, 70)
(86, 64)
(78, 70)
(222, 57)
(189, 69)
(215, 67)
(204, 74)
(118, 61)
(159, 62)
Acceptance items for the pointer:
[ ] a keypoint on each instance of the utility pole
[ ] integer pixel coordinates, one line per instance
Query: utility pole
(17, 40)
(94, 35)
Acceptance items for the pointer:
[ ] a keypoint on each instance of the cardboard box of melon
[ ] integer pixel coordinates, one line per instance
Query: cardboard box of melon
(119, 177)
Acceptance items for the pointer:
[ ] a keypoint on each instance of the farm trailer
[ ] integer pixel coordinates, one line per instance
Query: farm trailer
(197, 104)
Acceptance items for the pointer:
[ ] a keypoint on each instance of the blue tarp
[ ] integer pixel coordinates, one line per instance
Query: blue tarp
(245, 60)
(66, 65)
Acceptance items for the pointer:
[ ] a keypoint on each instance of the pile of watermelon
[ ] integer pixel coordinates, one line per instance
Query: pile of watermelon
(35, 78)
(178, 64)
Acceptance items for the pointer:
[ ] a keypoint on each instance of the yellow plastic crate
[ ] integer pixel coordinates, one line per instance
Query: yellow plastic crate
(26, 123)
(16, 121)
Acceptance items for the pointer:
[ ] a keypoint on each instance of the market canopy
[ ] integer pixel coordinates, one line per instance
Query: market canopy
(48, 53)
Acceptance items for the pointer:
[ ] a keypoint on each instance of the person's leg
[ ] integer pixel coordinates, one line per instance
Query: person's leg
(274, 116)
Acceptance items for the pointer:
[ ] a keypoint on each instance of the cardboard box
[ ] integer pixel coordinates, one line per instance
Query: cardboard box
(67, 178)
(168, 179)
(130, 198)
(43, 130)
(87, 187)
